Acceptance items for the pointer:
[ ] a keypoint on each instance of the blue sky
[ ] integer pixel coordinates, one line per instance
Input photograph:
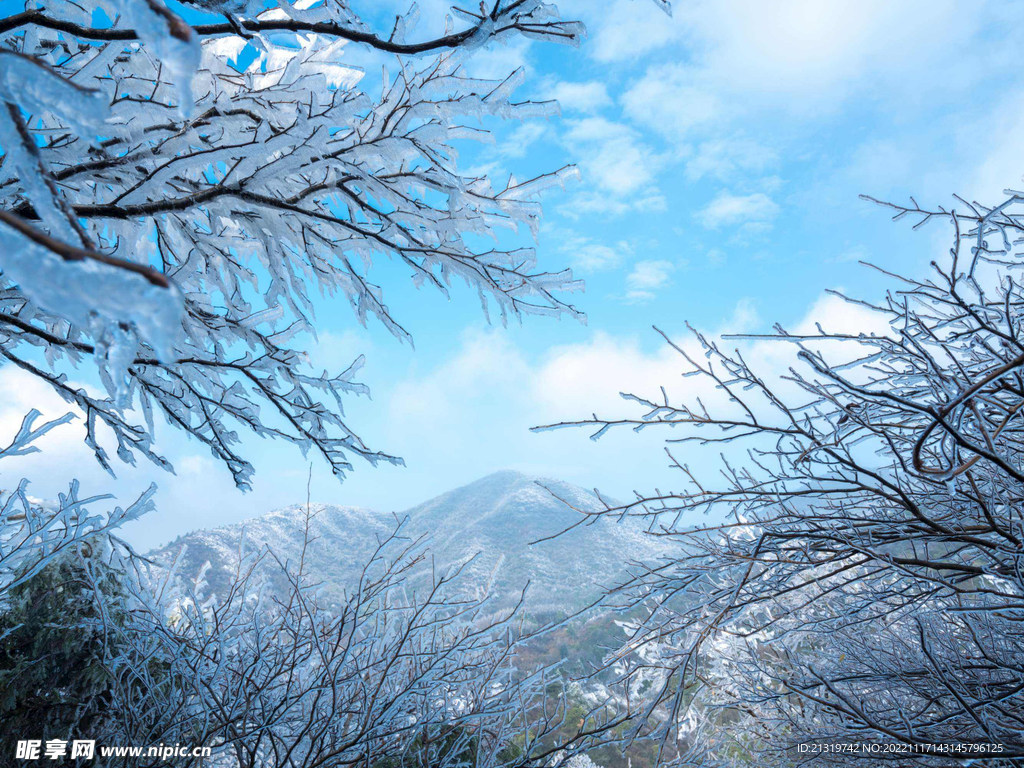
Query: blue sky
(721, 153)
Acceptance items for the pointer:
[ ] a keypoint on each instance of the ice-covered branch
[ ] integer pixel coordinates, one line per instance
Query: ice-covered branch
(864, 582)
(240, 193)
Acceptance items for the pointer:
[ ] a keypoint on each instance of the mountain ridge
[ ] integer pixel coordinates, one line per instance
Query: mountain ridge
(488, 525)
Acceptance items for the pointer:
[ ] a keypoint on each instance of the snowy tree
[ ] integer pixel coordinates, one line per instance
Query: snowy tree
(865, 584)
(167, 212)
(34, 534)
(405, 671)
(54, 683)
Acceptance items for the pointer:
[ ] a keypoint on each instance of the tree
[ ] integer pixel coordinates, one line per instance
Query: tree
(866, 584)
(165, 212)
(53, 679)
(34, 535)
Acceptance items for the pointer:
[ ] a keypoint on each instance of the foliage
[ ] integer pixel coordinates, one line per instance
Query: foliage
(404, 670)
(33, 535)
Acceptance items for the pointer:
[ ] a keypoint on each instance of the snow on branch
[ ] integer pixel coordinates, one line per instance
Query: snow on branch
(404, 667)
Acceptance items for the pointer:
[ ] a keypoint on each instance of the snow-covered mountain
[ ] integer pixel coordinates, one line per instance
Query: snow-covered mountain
(494, 518)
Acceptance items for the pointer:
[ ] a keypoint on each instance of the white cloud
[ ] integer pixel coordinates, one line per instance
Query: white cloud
(523, 138)
(588, 96)
(851, 254)
(648, 200)
(338, 350)
(623, 29)
(580, 379)
(195, 465)
(489, 380)
(498, 61)
(996, 163)
(466, 414)
(586, 254)
(620, 170)
(596, 256)
(647, 277)
(836, 315)
(722, 158)
(804, 47)
(472, 410)
(728, 209)
(724, 65)
(479, 372)
(789, 51)
(613, 155)
(976, 153)
(21, 393)
(433, 15)
(670, 99)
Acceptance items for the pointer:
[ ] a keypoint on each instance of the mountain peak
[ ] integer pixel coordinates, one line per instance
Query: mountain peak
(496, 491)
(502, 478)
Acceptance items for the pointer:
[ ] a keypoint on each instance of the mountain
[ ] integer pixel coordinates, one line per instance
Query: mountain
(494, 519)
(500, 515)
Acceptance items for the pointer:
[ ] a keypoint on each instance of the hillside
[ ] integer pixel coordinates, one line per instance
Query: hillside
(494, 518)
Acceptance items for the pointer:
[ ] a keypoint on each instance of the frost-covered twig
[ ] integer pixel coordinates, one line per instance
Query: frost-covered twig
(866, 581)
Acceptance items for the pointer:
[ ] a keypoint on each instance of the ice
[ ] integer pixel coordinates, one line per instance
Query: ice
(134, 309)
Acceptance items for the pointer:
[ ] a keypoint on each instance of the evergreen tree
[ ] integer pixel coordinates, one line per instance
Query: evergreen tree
(53, 682)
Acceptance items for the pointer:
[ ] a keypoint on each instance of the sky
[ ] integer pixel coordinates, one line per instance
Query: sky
(721, 155)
